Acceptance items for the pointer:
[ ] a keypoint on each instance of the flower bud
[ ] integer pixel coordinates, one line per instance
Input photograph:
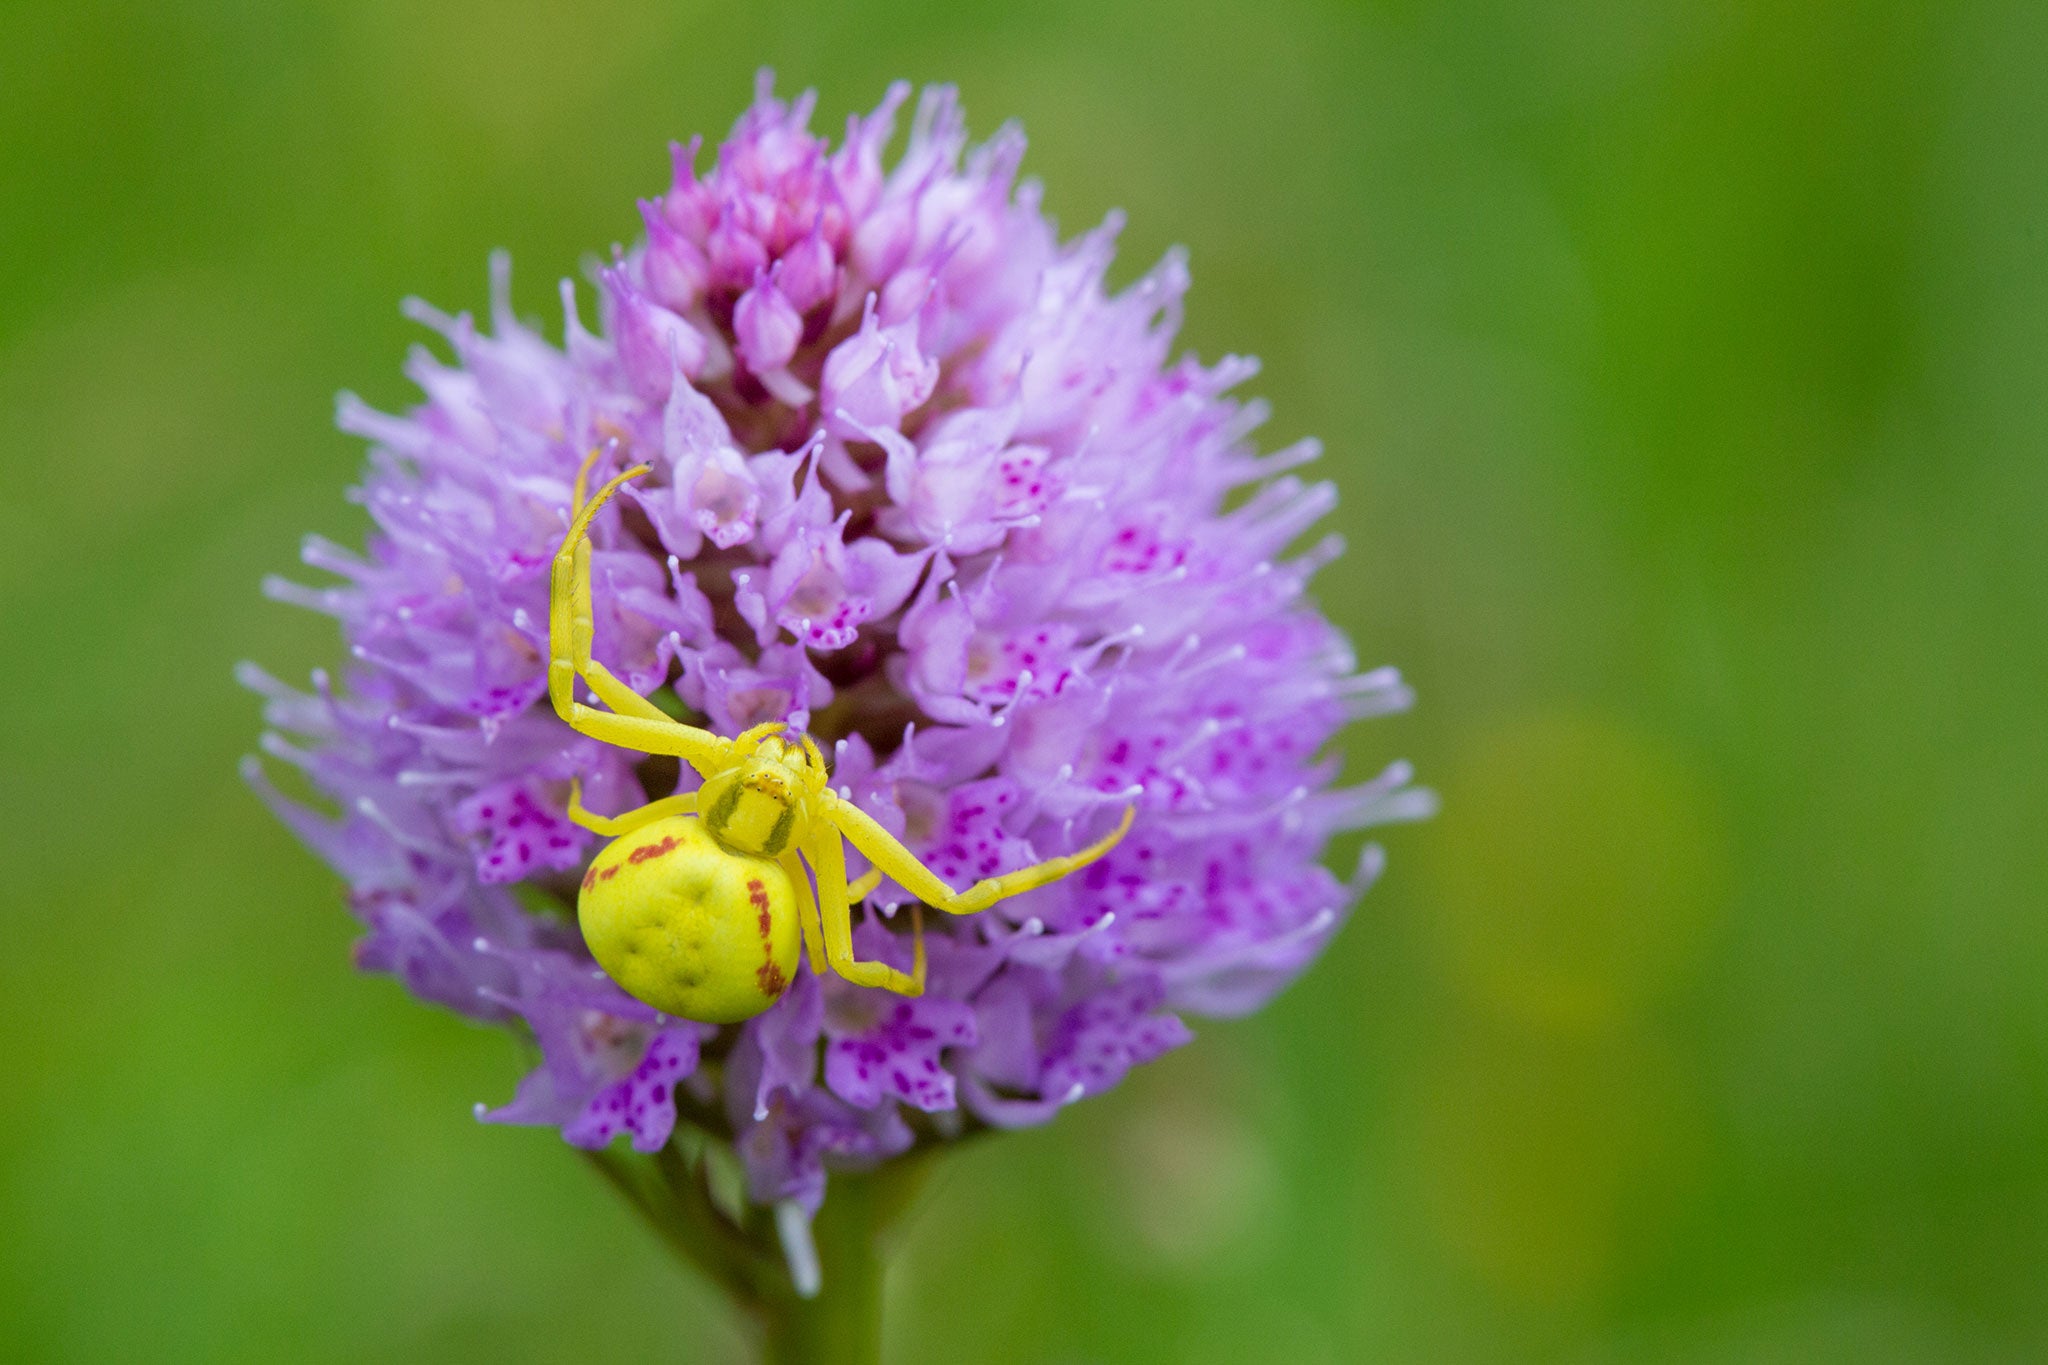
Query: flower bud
(809, 276)
(874, 377)
(766, 327)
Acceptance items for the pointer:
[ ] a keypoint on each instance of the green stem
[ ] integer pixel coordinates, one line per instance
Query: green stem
(692, 1229)
(842, 1323)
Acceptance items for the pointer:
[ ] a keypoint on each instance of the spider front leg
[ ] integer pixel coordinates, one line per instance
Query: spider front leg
(889, 855)
(827, 857)
(571, 623)
(633, 721)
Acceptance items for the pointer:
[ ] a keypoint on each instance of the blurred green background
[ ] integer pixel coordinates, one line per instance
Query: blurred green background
(1682, 366)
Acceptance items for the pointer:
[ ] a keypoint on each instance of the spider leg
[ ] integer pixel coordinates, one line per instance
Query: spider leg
(583, 479)
(612, 826)
(633, 722)
(807, 907)
(807, 911)
(887, 853)
(749, 739)
(827, 857)
(709, 754)
(860, 890)
(570, 621)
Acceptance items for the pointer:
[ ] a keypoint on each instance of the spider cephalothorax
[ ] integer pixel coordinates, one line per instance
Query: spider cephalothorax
(698, 905)
(757, 804)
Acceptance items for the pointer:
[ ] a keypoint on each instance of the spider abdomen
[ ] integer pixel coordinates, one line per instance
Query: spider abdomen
(691, 928)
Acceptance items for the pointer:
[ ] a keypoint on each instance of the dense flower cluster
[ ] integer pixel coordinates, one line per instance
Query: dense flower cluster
(925, 486)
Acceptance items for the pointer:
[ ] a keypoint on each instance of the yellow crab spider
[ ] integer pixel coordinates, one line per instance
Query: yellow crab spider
(700, 901)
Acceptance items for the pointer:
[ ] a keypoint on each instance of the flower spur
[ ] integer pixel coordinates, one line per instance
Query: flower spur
(711, 932)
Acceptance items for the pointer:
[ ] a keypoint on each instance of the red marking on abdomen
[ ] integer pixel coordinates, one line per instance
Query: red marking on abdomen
(649, 851)
(767, 975)
(590, 878)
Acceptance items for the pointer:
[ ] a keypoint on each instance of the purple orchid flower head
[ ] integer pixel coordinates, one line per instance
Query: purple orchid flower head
(926, 487)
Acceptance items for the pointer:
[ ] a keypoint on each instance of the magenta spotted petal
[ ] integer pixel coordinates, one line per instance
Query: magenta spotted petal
(896, 1056)
(642, 1103)
(522, 829)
